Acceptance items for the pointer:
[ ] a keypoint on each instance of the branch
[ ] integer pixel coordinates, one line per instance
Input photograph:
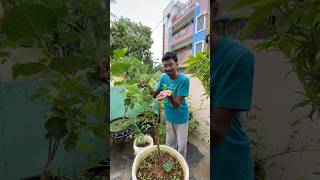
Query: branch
(293, 151)
(44, 46)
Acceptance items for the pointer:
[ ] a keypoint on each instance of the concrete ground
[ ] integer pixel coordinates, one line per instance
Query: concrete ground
(198, 155)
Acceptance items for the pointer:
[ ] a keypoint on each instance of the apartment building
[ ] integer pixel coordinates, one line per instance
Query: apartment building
(185, 28)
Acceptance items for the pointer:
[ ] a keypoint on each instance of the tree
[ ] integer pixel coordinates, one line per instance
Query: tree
(135, 37)
(297, 35)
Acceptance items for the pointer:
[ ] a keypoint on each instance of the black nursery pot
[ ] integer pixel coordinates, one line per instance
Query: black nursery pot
(123, 133)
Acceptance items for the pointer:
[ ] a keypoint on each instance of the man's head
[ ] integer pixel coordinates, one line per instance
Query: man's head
(170, 63)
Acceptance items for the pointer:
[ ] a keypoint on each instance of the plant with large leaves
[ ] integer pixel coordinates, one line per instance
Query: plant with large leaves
(200, 65)
(72, 36)
(297, 35)
(130, 73)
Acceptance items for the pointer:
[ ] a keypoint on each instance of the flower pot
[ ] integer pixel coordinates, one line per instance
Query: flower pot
(148, 139)
(143, 154)
(121, 134)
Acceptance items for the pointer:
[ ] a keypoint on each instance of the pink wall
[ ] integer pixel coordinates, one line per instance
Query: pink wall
(184, 54)
(204, 5)
(186, 32)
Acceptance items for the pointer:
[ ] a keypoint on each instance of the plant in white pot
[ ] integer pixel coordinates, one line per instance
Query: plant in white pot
(160, 162)
(141, 140)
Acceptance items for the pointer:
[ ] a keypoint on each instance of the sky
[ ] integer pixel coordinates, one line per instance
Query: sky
(149, 13)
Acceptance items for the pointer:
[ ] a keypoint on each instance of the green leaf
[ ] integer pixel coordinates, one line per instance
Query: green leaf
(57, 127)
(119, 53)
(118, 68)
(71, 141)
(88, 43)
(4, 54)
(29, 23)
(167, 166)
(96, 107)
(59, 7)
(70, 64)
(27, 69)
(69, 37)
(285, 22)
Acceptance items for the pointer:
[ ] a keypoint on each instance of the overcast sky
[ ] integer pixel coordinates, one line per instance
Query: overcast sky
(149, 13)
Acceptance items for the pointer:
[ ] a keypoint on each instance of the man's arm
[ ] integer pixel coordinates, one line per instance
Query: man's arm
(221, 122)
(175, 101)
(154, 93)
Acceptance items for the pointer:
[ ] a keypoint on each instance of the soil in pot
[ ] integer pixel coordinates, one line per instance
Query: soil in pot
(160, 166)
(144, 144)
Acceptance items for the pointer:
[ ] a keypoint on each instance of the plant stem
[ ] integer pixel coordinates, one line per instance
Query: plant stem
(293, 151)
(46, 51)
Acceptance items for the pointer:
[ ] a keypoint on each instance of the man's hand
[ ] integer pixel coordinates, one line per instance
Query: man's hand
(164, 94)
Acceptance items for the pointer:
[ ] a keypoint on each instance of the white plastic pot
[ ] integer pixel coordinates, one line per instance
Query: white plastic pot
(137, 149)
(164, 148)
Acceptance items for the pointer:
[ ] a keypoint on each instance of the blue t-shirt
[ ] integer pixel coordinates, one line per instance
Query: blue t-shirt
(179, 87)
(232, 70)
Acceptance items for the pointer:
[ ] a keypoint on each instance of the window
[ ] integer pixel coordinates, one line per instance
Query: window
(198, 47)
(200, 23)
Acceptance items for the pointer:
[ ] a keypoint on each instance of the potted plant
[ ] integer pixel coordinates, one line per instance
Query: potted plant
(141, 139)
(127, 73)
(142, 142)
(160, 161)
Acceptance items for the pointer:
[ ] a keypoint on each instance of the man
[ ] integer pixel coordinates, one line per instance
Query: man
(173, 88)
(232, 70)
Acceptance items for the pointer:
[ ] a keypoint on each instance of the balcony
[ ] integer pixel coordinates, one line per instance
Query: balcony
(182, 34)
(183, 17)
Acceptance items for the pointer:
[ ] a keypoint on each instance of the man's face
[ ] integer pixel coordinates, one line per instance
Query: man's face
(170, 66)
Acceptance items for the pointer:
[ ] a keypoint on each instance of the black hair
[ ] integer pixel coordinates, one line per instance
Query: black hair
(170, 55)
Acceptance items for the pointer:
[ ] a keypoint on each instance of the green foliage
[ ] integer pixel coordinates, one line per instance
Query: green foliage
(133, 36)
(72, 36)
(168, 166)
(297, 35)
(200, 65)
(27, 69)
(193, 124)
(37, 27)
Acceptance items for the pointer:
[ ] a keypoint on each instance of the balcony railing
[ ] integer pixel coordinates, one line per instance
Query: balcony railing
(182, 34)
(185, 10)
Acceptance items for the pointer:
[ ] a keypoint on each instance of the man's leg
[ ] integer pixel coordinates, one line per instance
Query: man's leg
(171, 135)
(182, 136)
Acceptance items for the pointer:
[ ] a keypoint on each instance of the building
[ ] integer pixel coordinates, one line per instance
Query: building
(185, 28)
